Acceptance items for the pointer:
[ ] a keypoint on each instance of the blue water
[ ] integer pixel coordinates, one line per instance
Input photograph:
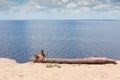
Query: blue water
(20, 39)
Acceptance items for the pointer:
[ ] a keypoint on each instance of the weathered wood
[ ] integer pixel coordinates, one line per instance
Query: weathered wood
(89, 60)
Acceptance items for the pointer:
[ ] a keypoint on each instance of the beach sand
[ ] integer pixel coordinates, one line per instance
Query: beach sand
(11, 70)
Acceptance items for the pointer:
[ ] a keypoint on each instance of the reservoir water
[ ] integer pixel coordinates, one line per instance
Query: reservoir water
(20, 39)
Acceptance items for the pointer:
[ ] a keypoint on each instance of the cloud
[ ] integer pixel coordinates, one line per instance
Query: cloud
(31, 6)
(65, 1)
(43, 3)
(5, 5)
(84, 2)
(83, 10)
(57, 3)
(102, 7)
(51, 7)
(71, 5)
(4, 2)
(115, 1)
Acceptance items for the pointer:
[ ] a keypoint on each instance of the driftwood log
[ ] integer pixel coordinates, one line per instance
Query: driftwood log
(90, 60)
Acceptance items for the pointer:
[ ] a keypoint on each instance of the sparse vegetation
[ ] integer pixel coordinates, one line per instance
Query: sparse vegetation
(53, 65)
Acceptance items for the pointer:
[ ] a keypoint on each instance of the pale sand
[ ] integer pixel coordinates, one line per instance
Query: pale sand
(10, 70)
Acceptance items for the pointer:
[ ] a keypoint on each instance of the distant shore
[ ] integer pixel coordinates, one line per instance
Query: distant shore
(11, 70)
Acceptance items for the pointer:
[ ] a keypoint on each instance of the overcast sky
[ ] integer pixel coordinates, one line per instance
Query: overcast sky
(59, 9)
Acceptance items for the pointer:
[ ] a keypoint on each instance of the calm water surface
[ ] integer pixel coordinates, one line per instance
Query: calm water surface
(20, 39)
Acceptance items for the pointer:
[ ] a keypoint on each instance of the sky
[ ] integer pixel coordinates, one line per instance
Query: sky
(59, 9)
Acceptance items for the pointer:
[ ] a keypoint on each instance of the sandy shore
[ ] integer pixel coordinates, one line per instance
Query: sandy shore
(11, 70)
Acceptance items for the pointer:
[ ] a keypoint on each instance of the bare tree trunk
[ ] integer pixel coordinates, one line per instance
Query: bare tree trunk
(90, 60)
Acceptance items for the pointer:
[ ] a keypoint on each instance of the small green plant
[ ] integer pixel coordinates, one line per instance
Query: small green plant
(53, 65)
